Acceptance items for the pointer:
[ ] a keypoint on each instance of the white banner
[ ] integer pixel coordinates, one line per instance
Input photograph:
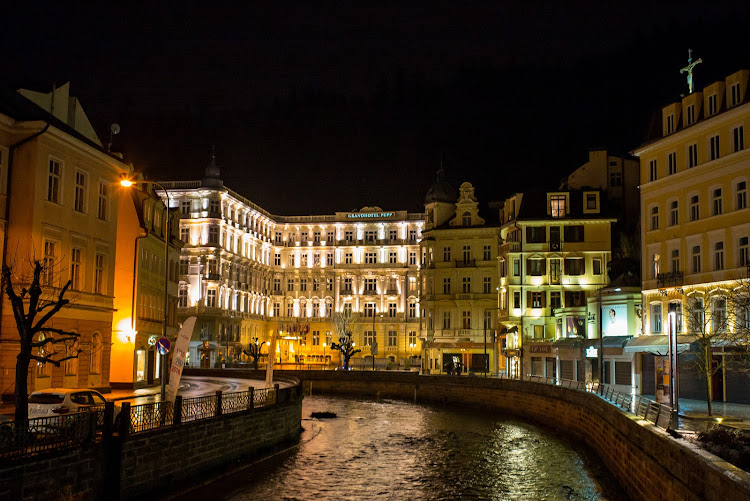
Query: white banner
(181, 347)
(271, 359)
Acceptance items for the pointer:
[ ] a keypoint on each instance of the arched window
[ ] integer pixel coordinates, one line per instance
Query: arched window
(95, 364)
(466, 218)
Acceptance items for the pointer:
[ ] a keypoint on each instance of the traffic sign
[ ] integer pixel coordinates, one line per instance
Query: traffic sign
(163, 345)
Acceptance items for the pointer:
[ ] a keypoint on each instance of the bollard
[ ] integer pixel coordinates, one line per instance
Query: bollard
(218, 403)
(177, 417)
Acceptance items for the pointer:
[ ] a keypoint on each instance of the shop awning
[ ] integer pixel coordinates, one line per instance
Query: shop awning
(613, 341)
(465, 345)
(656, 344)
(568, 342)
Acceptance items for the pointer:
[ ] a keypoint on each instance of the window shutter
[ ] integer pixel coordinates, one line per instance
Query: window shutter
(528, 298)
(544, 299)
(544, 266)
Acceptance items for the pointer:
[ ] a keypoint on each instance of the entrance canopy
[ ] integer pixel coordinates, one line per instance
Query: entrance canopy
(657, 344)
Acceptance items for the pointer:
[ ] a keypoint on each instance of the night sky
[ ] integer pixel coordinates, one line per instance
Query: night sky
(319, 109)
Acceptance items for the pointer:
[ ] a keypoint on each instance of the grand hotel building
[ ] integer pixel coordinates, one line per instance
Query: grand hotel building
(248, 275)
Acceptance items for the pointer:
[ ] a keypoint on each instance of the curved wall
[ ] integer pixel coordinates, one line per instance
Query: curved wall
(647, 462)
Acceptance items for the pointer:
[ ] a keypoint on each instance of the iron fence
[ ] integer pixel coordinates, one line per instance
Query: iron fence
(199, 408)
(150, 416)
(46, 434)
(235, 402)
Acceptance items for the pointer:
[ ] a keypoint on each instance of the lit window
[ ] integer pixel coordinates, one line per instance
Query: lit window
(557, 205)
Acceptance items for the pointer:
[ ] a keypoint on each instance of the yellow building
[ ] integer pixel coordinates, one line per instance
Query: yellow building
(140, 276)
(59, 204)
(554, 255)
(247, 274)
(458, 283)
(695, 222)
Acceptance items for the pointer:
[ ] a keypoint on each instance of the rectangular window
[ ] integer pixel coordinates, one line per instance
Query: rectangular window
(79, 202)
(349, 235)
(573, 233)
(316, 284)
(516, 299)
(466, 285)
(536, 299)
(412, 258)
(652, 173)
(371, 235)
(536, 267)
(674, 218)
(692, 159)
(347, 285)
(714, 147)
(670, 124)
(597, 266)
(303, 284)
(369, 310)
(557, 205)
(615, 179)
(555, 300)
(554, 271)
(185, 207)
(446, 285)
(213, 235)
(392, 310)
(672, 163)
(329, 259)
(103, 201)
(392, 257)
(656, 318)
(277, 259)
(694, 208)
(182, 299)
(446, 254)
(741, 195)
(213, 208)
(591, 201)
(99, 272)
(184, 266)
(675, 260)
(392, 235)
(412, 310)
(516, 267)
(690, 114)
(712, 101)
(348, 258)
(654, 218)
(392, 339)
(735, 94)
(185, 234)
(574, 266)
(466, 319)
(718, 314)
(303, 236)
(717, 206)
(719, 256)
(743, 255)
(290, 309)
(536, 234)
(290, 284)
(738, 138)
(316, 240)
(370, 285)
(76, 269)
(466, 251)
(486, 252)
(316, 338)
(487, 285)
(53, 181)
(329, 284)
(696, 259)
(277, 285)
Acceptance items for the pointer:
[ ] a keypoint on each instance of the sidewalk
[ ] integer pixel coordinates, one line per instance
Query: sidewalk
(694, 414)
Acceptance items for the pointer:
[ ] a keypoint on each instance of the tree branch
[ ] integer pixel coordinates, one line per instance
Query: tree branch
(58, 306)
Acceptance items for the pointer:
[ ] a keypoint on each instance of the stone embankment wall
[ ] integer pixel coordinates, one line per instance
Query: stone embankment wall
(648, 463)
(160, 460)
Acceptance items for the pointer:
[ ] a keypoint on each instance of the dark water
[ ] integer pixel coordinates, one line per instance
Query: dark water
(398, 450)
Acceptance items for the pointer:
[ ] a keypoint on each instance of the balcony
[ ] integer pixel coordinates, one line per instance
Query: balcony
(466, 263)
(669, 279)
(464, 296)
(213, 276)
(510, 247)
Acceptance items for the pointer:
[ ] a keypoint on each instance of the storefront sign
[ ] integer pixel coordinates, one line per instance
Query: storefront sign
(369, 215)
(540, 349)
(592, 352)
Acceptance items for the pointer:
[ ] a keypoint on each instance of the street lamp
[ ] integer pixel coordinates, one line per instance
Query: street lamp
(126, 183)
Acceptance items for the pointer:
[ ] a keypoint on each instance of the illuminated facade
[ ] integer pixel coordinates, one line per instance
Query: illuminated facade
(554, 255)
(139, 281)
(695, 223)
(246, 273)
(58, 182)
(458, 283)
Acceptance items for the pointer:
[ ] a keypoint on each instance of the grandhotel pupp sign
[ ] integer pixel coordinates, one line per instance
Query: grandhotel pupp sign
(370, 215)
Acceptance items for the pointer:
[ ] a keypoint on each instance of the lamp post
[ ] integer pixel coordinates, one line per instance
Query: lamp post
(163, 366)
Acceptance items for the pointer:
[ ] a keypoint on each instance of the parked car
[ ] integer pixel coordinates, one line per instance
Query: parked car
(59, 401)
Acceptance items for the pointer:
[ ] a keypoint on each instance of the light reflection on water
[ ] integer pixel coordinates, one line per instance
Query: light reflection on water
(398, 450)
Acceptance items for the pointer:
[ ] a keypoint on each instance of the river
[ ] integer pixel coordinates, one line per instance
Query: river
(393, 450)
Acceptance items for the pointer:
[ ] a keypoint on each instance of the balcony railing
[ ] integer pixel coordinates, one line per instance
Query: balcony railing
(669, 279)
(466, 263)
(510, 247)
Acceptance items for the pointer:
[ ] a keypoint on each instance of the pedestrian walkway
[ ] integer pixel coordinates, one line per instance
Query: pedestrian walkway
(694, 415)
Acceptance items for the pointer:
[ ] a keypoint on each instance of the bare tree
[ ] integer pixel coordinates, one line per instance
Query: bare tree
(32, 310)
(719, 318)
(345, 323)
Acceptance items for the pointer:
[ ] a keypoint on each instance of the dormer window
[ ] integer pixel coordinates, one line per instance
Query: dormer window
(592, 202)
(712, 105)
(557, 205)
(466, 219)
(670, 124)
(735, 94)
(690, 114)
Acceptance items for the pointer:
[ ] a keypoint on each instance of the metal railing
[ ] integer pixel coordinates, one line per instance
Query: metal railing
(40, 435)
(657, 414)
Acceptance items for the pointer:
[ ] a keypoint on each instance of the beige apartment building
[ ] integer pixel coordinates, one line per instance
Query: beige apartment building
(695, 228)
(58, 203)
(458, 282)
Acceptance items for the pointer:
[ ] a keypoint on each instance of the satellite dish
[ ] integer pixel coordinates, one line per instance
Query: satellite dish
(114, 129)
